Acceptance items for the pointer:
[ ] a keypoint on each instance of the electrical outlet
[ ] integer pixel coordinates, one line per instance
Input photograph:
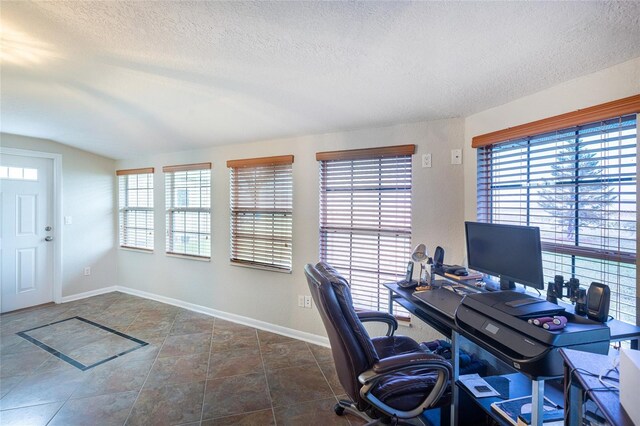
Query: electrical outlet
(301, 301)
(307, 302)
(456, 156)
(87, 270)
(426, 160)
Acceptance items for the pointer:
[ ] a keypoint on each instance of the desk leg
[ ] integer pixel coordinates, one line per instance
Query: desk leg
(537, 401)
(390, 302)
(575, 406)
(634, 344)
(455, 359)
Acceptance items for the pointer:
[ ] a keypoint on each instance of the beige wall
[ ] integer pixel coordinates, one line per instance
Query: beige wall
(88, 193)
(271, 296)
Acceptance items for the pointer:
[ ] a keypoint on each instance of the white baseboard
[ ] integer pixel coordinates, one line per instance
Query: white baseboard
(251, 322)
(86, 294)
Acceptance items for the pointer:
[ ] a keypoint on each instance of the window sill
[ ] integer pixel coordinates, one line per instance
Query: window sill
(136, 249)
(263, 268)
(186, 256)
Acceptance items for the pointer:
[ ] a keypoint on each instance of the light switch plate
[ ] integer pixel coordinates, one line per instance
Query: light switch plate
(68, 220)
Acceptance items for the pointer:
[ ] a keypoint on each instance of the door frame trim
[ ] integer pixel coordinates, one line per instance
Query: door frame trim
(57, 211)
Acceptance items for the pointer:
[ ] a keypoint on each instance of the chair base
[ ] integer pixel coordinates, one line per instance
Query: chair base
(345, 406)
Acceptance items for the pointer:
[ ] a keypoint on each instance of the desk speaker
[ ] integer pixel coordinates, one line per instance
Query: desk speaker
(598, 299)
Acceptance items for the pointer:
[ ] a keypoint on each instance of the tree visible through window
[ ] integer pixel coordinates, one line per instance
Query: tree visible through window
(579, 186)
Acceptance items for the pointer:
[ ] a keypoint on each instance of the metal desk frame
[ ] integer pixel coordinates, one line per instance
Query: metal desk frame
(444, 323)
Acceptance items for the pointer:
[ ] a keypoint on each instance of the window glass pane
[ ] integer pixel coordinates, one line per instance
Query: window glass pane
(30, 174)
(15, 172)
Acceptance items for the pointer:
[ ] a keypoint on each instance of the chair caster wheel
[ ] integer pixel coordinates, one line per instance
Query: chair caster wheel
(339, 409)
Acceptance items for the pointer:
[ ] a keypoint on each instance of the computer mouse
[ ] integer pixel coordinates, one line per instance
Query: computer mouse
(461, 272)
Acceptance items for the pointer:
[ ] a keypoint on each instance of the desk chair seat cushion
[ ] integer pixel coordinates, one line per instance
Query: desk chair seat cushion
(387, 346)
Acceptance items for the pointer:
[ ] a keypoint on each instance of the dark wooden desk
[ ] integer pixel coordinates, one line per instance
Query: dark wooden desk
(581, 371)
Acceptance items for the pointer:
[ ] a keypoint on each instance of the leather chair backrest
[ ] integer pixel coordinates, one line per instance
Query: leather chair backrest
(352, 349)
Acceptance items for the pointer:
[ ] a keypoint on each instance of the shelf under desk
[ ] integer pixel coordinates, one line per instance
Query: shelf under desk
(519, 386)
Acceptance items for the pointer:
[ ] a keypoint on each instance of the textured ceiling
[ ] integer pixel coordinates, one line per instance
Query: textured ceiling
(128, 78)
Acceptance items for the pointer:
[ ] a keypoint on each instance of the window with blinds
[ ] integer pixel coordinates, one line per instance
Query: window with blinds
(578, 184)
(188, 209)
(261, 202)
(365, 219)
(135, 208)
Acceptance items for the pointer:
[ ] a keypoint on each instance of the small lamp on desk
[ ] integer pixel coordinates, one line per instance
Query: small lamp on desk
(420, 255)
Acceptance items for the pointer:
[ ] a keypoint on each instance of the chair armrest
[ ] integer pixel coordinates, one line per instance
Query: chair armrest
(410, 360)
(402, 362)
(376, 316)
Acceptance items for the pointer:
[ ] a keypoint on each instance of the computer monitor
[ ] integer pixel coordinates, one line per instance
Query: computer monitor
(512, 253)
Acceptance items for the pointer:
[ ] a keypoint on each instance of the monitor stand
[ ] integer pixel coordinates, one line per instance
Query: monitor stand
(493, 285)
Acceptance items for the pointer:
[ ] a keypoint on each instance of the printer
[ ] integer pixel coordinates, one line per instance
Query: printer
(498, 323)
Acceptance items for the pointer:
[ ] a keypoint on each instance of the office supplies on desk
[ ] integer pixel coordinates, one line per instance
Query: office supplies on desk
(455, 270)
(511, 409)
(478, 386)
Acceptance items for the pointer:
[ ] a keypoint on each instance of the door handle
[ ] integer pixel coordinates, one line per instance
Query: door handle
(48, 238)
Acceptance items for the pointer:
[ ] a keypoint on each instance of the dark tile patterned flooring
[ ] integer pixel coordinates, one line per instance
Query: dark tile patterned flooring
(196, 370)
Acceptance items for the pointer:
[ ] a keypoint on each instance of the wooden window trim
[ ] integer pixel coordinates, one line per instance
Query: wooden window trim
(262, 161)
(358, 154)
(135, 171)
(600, 112)
(186, 167)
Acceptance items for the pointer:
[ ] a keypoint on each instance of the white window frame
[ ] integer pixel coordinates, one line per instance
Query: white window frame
(202, 210)
(124, 177)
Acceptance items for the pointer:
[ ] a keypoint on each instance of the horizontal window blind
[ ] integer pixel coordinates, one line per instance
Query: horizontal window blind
(365, 223)
(578, 185)
(135, 207)
(261, 202)
(188, 210)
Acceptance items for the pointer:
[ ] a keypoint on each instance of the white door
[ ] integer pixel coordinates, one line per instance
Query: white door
(26, 231)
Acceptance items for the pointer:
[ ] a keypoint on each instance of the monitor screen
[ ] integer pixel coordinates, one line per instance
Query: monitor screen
(510, 252)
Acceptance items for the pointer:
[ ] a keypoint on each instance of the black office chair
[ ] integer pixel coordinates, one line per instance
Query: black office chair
(389, 378)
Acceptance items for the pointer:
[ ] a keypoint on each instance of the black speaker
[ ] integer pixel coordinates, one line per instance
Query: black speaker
(598, 300)
(438, 257)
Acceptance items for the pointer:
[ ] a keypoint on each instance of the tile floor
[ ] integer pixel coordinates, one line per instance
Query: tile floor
(196, 370)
